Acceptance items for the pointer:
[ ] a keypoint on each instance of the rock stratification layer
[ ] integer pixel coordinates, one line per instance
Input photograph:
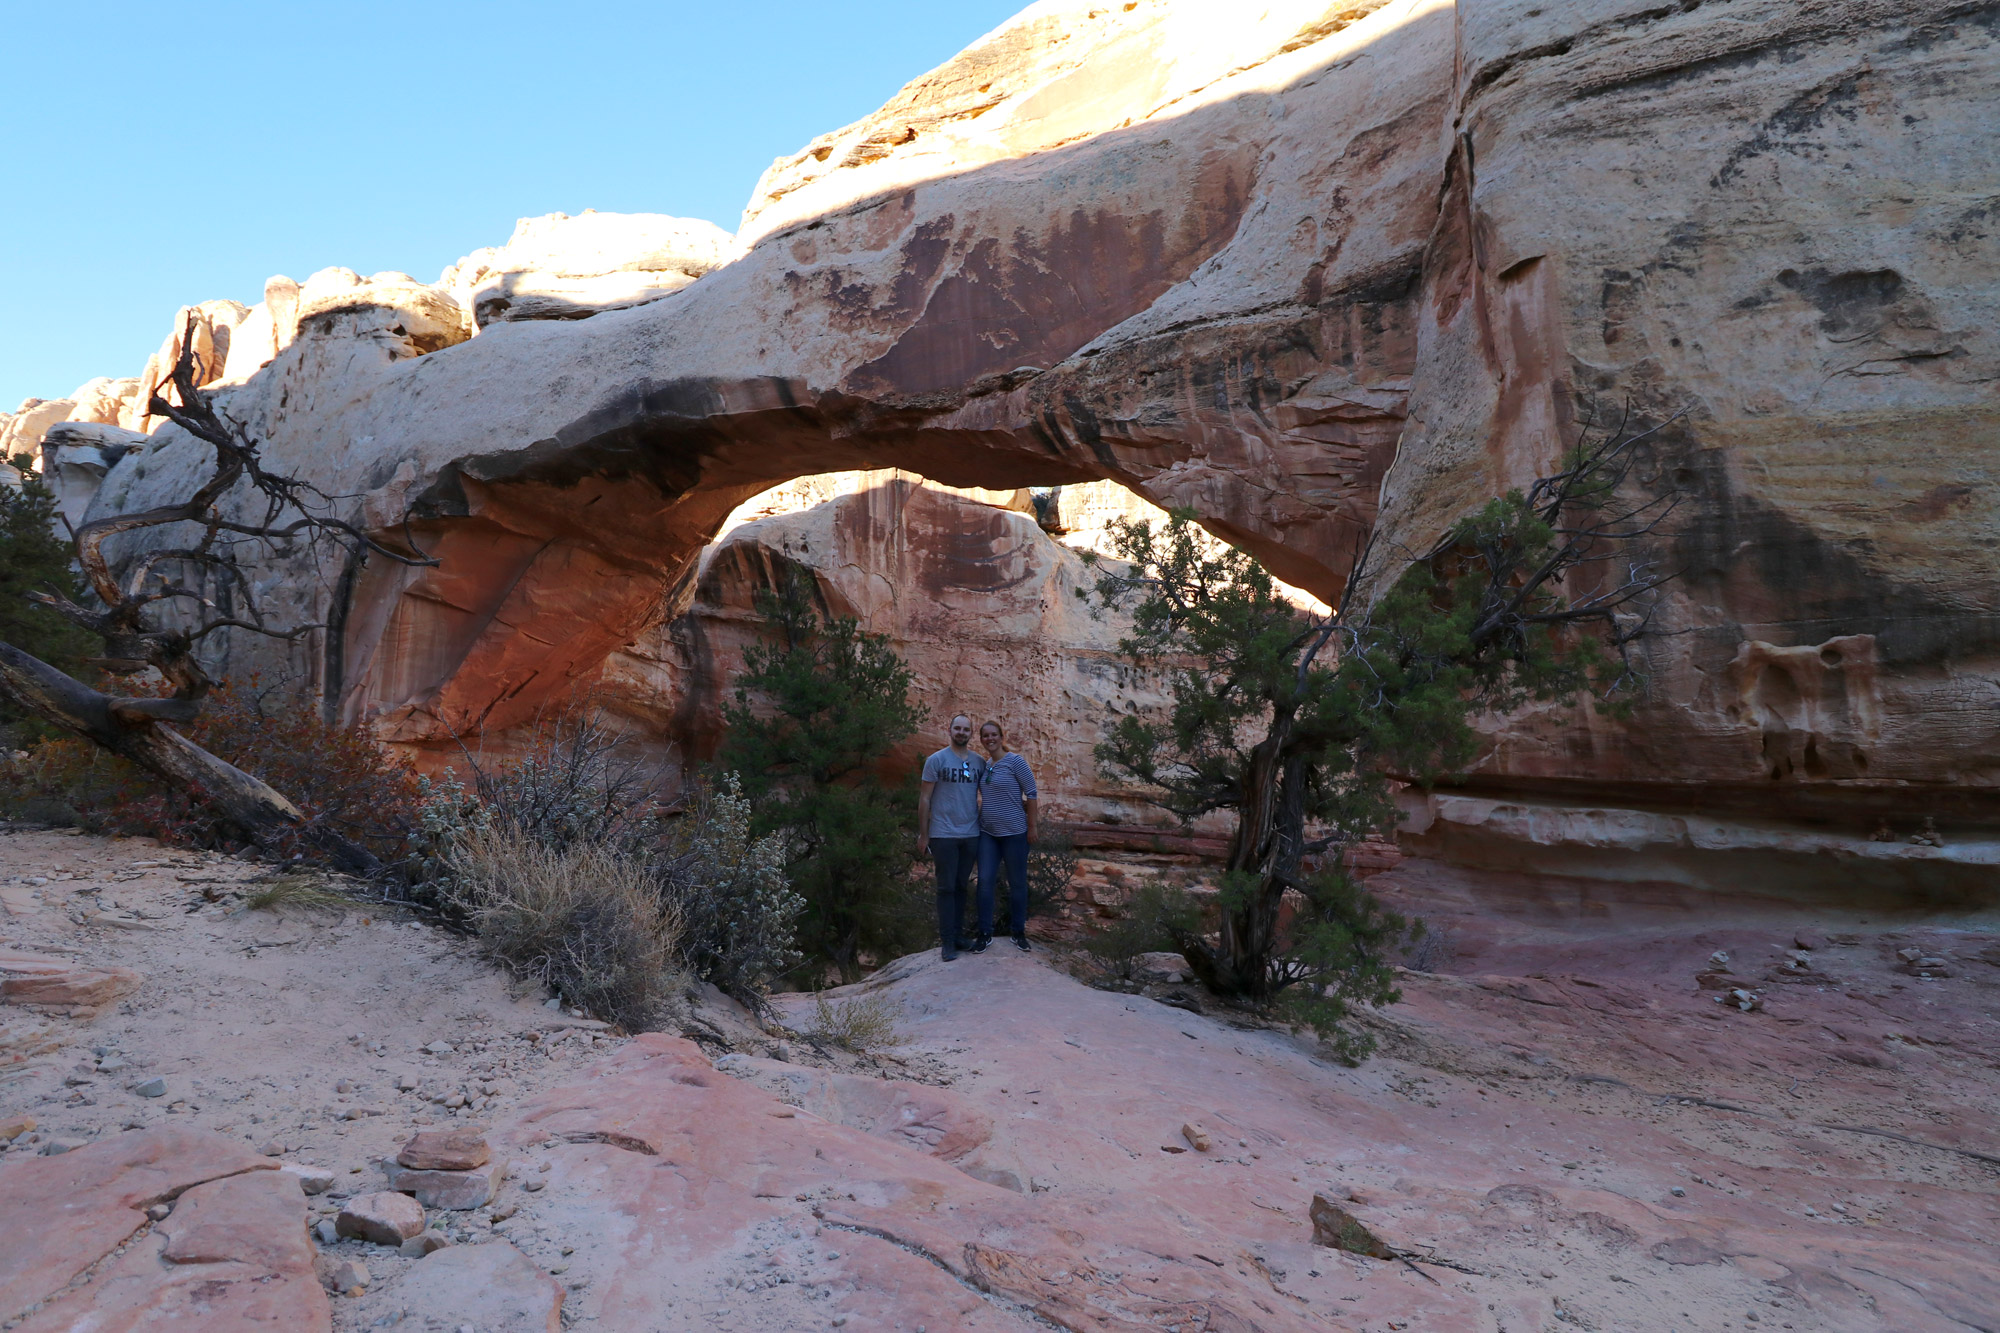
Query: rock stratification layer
(1316, 272)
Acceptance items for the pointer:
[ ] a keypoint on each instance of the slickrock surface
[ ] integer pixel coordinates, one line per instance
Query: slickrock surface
(1564, 1129)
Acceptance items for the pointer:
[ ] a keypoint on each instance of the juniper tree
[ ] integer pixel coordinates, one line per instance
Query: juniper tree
(834, 701)
(33, 559)
(1294, 721)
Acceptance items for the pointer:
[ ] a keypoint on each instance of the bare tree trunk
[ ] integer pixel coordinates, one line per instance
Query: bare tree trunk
(137, 730)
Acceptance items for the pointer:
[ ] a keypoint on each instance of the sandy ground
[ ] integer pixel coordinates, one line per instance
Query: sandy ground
(1563, 1130)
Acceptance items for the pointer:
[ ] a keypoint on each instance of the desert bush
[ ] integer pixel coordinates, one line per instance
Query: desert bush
(739, 917)
(866, 1023)
(585, 920)
(578, 782)
(339, 777)
(1051, 866)
(1431, 951)
(1157, 917)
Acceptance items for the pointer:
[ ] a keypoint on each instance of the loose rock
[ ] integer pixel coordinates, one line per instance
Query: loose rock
(1336, 1228)
(457, 1190)
(445, 1150)
(386, 1218)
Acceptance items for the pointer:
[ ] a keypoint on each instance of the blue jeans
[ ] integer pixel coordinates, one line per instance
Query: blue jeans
(954, 857)
(1013, 849)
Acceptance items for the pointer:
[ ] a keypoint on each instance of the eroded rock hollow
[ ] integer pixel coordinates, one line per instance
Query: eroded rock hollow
(1316, 272)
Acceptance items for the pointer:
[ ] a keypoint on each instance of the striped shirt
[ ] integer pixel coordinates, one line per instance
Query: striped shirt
(1008, 782)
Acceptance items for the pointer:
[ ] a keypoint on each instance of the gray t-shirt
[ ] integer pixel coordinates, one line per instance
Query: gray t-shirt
(955, 799)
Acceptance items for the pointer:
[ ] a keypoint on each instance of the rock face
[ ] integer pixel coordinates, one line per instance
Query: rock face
(979, 600)
(1311, 271)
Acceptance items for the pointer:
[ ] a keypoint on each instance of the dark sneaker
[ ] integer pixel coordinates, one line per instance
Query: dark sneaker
(979, 945)
(1021, 943)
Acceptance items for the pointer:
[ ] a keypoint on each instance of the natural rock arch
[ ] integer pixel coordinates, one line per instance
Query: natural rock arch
(1282, 268)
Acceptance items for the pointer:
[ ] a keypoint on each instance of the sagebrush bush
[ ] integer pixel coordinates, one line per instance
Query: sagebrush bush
(739, 917)
(586, 920)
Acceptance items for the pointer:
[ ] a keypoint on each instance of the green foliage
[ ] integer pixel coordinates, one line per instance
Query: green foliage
(815, 712)
(738, 913)
(34, 559)
(1294, 721)
(1158, 918)
(1338, 954)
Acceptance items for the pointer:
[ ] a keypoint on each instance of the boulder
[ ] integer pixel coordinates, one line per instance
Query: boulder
(385, 1218)
(75, 457)
(457, 1190)
(21, 431)
(445, 1150)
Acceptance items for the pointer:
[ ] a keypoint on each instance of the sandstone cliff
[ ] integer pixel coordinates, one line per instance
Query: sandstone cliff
(1306, 270)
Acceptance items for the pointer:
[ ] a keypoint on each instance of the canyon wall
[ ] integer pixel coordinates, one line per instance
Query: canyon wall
(1316, 271)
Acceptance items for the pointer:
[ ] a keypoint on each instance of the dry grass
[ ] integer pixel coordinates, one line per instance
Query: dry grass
(306, 893)
(584, 920)
(860, 1025)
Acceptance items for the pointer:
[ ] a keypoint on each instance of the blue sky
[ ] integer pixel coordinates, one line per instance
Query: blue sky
(154, 156)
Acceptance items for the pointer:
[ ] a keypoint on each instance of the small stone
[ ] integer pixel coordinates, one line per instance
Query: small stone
(445, 1150)
(58, 1146)
(386, 1218)
(112, 1064)
(459, 1191)
(14, 1126)
(273, 1148)
(456, 1100)
(533, 1184)
(416, 1247)
(1197, 1137)
(327, 1232)
(159, 1212)
(312, 1179)
(405, 1083)
(152, 1087)
(1719, 960)
(349, 1276)
(1679, 1193)
(343, 1087)
(439, 1048)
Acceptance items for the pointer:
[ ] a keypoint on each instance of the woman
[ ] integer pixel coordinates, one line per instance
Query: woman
(1008, 804)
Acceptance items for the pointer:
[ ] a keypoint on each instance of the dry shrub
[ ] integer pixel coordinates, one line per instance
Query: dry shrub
(867, 1023)
(584, 920)
(339, 777)
(305, 893)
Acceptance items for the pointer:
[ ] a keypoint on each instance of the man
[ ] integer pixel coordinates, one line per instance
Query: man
(948, 826)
